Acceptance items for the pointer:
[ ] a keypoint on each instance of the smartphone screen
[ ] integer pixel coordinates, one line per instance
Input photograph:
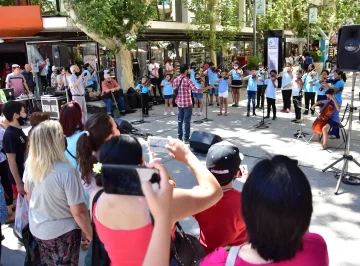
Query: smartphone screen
(127, 179)
(158, 145)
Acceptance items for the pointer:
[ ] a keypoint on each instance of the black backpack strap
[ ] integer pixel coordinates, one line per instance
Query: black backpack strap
(70, 153)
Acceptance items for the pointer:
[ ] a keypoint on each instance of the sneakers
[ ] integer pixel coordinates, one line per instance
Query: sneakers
(234, 105)
(200, 113)
(195, 113)
(288, 110)
(165, 113)
(172, 113)
(186, 141)
(248, 114)
(306, 113)
(218, 104)
(254, 114)
(274, 117)
(211, 104)
(267, 116)
(283, 110)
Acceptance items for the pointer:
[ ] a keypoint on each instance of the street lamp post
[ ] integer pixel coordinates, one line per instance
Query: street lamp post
(308, 28)
(254, 29)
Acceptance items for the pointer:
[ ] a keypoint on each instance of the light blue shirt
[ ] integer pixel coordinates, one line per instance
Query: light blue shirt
(213, 76)
(261, 76)
(197, 84)
(223, 85)
(90, 82)
(71, 147)
(168, 88)
(286, 80)
(271, 90)
(318, 88)
(338, 96)
(252, 84)
(234, 75)
(142, 88)
(192, 75)
(307, 78)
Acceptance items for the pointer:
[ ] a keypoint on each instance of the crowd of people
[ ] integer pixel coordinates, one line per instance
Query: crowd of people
(59, 167)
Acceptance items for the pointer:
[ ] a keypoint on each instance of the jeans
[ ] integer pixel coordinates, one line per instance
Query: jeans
(271, 104)
(286, 94)
(214, 91)
(260, 95)
(109, 103)
(184, 116)
(297, 104)
(251, 98)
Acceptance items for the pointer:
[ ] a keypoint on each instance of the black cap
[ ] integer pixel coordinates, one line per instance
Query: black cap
(223, 160)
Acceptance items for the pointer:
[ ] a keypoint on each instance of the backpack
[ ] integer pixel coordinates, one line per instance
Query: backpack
(309, 60)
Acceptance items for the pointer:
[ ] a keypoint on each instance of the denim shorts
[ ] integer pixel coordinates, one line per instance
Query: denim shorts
(198, 95)
(214, 91)
(168, 96)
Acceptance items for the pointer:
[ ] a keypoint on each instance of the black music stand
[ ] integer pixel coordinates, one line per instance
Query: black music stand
(206, 119)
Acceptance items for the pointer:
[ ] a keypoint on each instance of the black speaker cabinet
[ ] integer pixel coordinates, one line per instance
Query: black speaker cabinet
(124, 126)
(348, 51)
(61, 56)
(201, 141)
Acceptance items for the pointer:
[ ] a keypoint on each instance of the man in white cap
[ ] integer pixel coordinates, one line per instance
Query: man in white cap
(77, 88)
(17, 81)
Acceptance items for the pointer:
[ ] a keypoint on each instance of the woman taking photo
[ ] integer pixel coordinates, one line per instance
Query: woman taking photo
(71, 122)
(127, 232)
(56, 199)
(277, 208)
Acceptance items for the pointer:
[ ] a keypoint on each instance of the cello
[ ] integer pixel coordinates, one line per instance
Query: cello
(323, 118)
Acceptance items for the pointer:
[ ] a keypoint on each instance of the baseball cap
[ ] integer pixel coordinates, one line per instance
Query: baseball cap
(223, 160)
(15, 66)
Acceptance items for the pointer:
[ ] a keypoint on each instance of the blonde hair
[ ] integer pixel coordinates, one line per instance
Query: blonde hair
(47, 145)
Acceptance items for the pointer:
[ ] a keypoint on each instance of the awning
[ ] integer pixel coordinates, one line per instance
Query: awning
(20, 21)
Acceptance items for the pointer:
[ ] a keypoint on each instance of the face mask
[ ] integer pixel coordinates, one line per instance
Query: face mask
(21, 121)
(298, 77)
(235, 67)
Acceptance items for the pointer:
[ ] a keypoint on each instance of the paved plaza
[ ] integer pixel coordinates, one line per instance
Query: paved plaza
(336, 218)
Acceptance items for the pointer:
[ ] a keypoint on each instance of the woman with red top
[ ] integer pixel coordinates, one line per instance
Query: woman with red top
(277, 208)
(123, 222)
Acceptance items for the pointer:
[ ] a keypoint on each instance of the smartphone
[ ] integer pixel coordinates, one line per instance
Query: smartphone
(158, 145)
(127, 179)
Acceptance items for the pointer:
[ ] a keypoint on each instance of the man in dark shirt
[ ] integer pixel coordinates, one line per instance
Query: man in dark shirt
(29, 78)
(14, 144)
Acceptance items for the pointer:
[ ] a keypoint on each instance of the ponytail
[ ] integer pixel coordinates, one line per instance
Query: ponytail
(98, 128)
(341, 74)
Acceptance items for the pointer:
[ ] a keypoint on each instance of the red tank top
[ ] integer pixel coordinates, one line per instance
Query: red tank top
(124, 247)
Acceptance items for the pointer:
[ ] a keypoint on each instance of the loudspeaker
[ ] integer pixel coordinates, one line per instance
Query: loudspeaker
(61, 56)
(201, 141)
(348, 51)
(124, 126)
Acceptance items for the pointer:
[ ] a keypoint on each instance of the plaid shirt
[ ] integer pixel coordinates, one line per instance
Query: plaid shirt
(183, 99)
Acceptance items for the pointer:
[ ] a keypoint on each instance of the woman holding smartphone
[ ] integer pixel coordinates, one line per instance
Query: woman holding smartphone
(126, 228)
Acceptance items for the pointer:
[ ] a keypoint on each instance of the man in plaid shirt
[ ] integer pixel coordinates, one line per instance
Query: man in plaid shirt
(184, 102)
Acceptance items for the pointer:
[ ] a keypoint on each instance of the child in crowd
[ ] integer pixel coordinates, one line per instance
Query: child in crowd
(296, 93)
(198, 97)
(236, 83)
(168, 93)
(321, 86)
(251, 90)
(144, 88)
(15, 144)
(212, 73)
(333, 120)
(223, 92)
(223, 161)
(260, 86)
(271, 93)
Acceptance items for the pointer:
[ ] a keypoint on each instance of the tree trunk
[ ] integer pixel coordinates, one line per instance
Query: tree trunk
(124, 69)
(213, 24)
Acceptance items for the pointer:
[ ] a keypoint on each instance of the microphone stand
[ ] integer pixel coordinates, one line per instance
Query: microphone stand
(262, 124)
(141, 121)
(206, 119)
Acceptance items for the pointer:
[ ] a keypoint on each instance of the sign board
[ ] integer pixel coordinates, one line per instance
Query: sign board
(52, 105)
(34, 68)
(296, 40)
(273, 54)
(260, 7)
(313, 15)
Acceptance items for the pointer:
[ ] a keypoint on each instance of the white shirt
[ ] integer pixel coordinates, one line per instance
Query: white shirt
(44, 71)
(286, 80)
(270, 90)
(296, 88)
(154, 68)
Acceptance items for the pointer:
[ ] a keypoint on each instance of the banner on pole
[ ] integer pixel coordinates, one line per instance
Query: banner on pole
(313, 15)
(273, 54)
(260, 7)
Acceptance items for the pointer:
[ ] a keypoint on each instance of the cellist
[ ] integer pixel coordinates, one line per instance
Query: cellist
(333, 120)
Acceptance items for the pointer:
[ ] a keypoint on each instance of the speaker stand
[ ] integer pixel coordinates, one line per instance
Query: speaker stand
(206, 119)
(141, 121)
